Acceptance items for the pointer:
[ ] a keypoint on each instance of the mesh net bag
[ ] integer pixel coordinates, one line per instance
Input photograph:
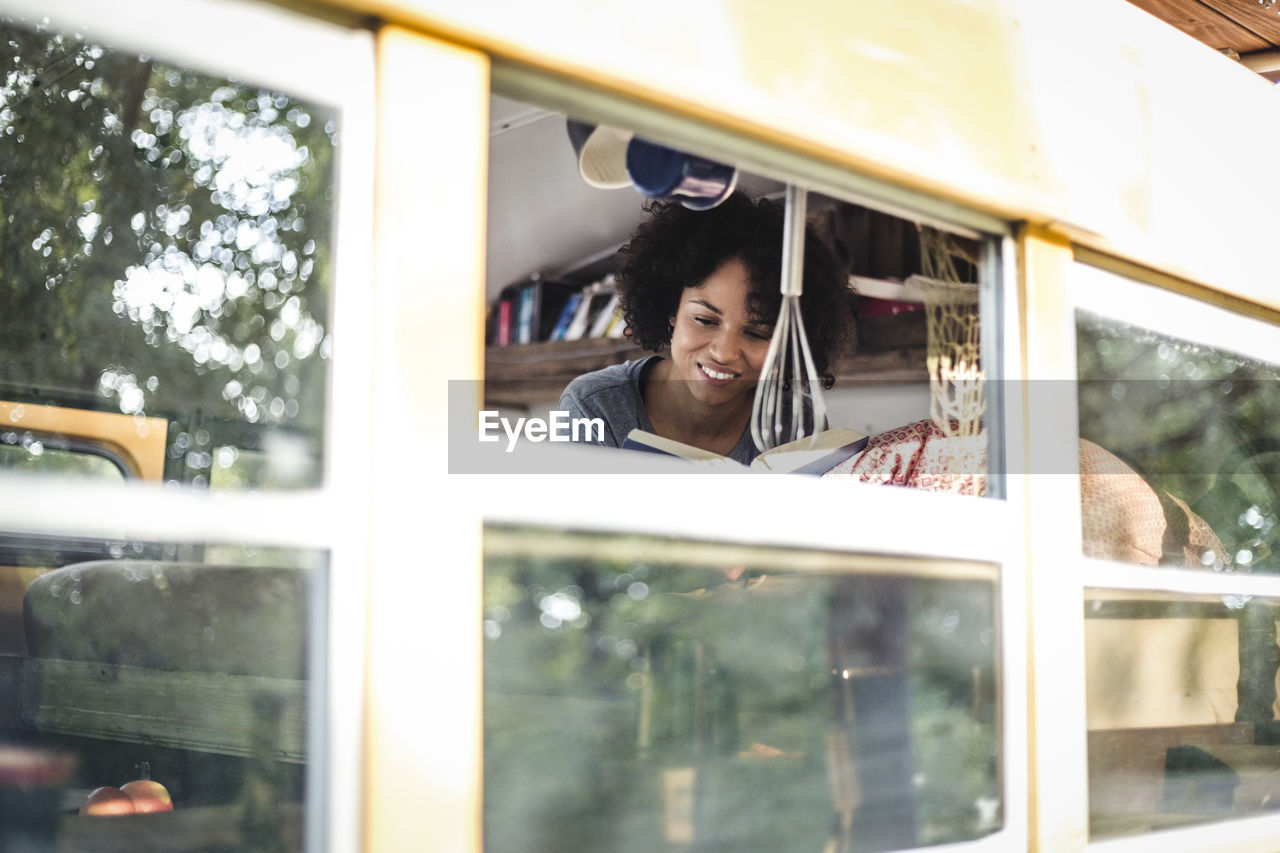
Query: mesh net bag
(956, 399)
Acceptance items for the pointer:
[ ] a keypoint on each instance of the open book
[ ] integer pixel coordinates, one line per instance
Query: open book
(810, 455)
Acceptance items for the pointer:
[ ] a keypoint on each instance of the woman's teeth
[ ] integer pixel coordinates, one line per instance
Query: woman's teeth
(715, 374)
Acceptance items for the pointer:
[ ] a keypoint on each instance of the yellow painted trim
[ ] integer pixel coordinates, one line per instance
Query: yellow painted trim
(985, 104)
(140, 441)
(423, 667)
(1166, 281)
(1056, 747)
(778, 77)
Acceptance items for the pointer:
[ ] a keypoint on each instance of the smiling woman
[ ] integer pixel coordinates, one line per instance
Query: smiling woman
(700, 287)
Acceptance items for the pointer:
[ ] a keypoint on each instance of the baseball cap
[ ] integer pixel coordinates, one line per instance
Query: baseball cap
(602, 154)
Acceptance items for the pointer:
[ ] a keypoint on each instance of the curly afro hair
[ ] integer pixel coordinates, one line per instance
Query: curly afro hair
(676, 248)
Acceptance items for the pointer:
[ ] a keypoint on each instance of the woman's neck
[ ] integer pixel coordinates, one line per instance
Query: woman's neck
(676, 414)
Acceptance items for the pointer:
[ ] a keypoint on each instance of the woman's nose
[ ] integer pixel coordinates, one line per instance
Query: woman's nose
(724, 348)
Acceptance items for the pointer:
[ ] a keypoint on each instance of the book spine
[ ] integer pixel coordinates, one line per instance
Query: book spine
(578, 326)
(532, 298)
(527, 319)
(605, 317)
(618, 328)
(504, 323)
(566, 317)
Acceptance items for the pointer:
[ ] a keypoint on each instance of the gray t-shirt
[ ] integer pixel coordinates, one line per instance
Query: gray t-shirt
(615, 395)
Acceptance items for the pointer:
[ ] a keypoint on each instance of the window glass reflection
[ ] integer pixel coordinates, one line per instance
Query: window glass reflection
(167, 246)
(175, 664)
(1191, 462)
(36, 456)
(650, 695)
(1182, 709)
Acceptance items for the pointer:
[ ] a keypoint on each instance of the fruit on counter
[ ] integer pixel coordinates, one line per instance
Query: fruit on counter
(148, 795)
(107, 801)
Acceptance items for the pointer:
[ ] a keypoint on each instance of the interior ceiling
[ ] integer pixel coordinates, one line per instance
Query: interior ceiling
(544, 219)
(1250, 28)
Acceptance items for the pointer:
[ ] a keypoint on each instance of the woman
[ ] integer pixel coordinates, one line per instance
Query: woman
(704, 286)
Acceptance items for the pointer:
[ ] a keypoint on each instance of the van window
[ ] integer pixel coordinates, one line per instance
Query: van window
(680, 693)
(1180, 429)
(167, 250)
(40, 455)
(166, 267)
(196, 673)
(911, 376)
(1178, 401)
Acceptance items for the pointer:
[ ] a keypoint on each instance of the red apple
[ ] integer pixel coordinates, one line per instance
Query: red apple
(107, 802)
(148, 795)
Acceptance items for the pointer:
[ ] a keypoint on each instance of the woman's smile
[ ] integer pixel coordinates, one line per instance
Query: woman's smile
(717, 377)
(717, 345)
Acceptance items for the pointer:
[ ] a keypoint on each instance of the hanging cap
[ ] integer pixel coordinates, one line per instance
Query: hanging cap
(602, 154)
(661, 172)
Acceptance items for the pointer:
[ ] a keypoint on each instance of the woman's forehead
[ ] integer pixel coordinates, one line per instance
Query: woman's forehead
(730, 290)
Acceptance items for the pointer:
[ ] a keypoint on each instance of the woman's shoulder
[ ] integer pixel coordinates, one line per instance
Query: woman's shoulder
(612, 394)
(609, 379)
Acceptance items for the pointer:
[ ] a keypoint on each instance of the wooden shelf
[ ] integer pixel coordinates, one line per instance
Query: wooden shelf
(892, 352)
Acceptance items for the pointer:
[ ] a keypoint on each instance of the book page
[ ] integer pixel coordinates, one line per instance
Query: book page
(801, 452)
(676, 448)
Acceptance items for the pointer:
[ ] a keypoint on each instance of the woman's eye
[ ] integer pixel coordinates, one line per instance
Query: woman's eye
(704, 321)
(759, 336)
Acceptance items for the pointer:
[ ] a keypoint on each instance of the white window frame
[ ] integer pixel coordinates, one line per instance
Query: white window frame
(1116, 292)
(801, 512)
(331, 65)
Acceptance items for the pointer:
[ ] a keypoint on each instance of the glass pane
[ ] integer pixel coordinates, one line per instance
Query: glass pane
(173, 663)
(286, 466)
(646, 694)
(167, 247)
(598, 332)
(34, 456)
(1182, 434)
(1182, 709)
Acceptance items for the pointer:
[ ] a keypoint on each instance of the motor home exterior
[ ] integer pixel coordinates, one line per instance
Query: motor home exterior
(273, 234)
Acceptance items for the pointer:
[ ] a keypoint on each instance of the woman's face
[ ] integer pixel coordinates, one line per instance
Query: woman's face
(717, 348)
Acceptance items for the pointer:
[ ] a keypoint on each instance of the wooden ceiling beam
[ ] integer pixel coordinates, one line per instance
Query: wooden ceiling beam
(1218, 29)
(1252, 15)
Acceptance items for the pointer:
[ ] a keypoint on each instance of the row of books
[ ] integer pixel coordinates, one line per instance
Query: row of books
(543, 310)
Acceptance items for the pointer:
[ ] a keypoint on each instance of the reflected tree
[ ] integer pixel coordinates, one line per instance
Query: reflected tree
(166, 242)
(1197, 422)
(611, 684)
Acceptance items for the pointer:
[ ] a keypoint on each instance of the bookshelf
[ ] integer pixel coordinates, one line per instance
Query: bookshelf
(890, 351)
(884, 255)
